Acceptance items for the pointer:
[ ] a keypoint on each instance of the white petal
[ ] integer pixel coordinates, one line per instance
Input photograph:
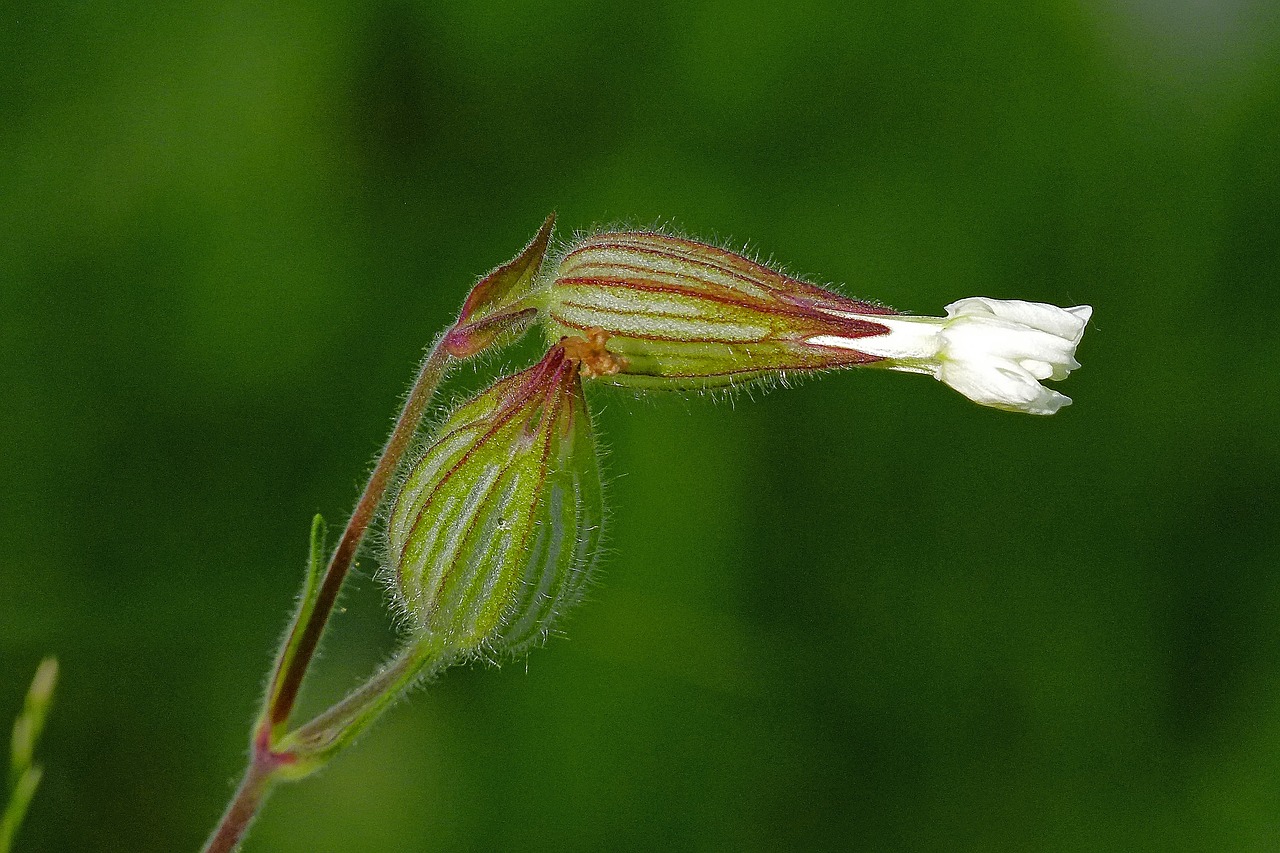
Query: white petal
(1038, 369)
(1067, 323)
(967, 336)
(1002, 385)
(1083, 313)
(994, 351)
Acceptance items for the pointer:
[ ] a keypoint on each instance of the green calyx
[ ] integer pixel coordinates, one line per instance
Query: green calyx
(493, 530)
(680, 314)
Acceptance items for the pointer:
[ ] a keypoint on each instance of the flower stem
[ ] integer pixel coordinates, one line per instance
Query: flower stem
(315, 742)
(243, 808)
(287, 679)
(267, 763)
(308, 748)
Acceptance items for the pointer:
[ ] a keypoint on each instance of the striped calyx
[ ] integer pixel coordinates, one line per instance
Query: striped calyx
(681, 314)
(495, 527)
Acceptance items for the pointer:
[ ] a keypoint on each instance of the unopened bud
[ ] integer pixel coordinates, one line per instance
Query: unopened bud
(500, 304)
(682, 314)
(495, 527)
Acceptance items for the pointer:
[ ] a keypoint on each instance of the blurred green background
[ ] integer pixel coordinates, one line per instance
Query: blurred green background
(859, 614)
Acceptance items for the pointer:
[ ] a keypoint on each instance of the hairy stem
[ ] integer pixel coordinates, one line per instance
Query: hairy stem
(309, 747)
(315, 742)
(287, 680)
(243, 808)
(267, 763)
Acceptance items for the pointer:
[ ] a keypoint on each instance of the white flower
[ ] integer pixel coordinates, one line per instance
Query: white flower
(993, 351)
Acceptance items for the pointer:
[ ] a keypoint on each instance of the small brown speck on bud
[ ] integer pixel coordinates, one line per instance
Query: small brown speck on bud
(590, 353)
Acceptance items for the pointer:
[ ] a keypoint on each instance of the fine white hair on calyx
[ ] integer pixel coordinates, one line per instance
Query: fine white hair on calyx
(561, 247)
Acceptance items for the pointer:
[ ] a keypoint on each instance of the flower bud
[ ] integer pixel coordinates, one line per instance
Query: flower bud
(679, 314)
(495, 527)
(499, 305)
